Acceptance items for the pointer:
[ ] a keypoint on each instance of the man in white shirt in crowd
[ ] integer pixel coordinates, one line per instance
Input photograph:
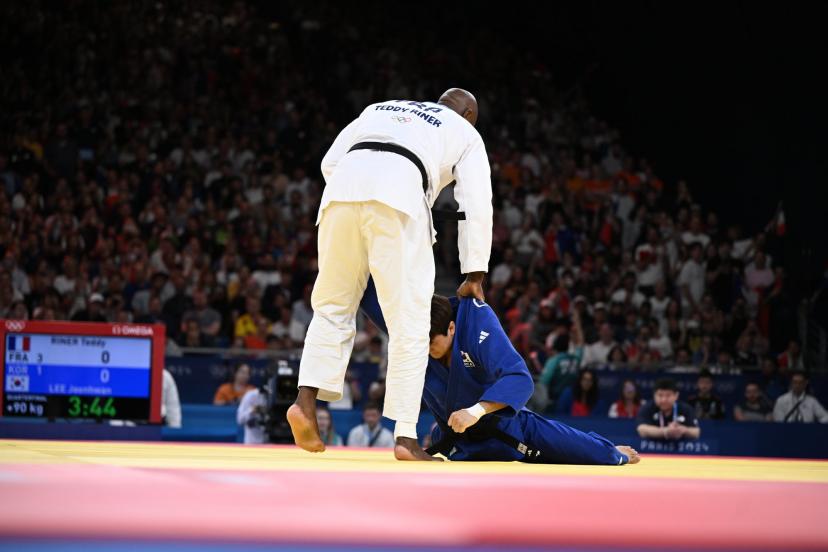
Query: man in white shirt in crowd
(648, 267)
(596, 353)
(691, 278)
(694, 233)
(759, 277)
(627, 294)
(251, 414)
(370, 433)
(797, 405)
(503, 272)
(658, 341)
(383, 173)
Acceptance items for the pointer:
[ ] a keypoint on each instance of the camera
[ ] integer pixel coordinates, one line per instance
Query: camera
(278, 392)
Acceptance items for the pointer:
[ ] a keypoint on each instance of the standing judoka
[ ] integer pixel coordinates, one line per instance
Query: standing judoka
(477, 386)
(383, 173)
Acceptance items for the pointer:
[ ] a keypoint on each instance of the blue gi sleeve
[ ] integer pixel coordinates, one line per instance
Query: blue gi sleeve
(513, 384)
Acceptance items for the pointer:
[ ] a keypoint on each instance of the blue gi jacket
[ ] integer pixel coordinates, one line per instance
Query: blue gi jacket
(484, 367)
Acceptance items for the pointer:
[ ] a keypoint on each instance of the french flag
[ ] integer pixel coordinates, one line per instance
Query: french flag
(19, 343)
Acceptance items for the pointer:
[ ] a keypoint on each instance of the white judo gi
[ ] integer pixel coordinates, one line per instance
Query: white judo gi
(375, 219)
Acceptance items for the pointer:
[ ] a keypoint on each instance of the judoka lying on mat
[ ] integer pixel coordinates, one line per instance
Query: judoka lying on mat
(476, 386)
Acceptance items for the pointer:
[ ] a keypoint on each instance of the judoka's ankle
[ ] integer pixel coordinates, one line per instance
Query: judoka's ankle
(306, 398)
(405, 429)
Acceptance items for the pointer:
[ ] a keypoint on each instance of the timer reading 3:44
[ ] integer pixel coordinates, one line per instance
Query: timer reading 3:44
(94, 407)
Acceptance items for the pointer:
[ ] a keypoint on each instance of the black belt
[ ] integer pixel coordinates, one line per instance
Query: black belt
(483, 430)
(439, 214)
(399, 150)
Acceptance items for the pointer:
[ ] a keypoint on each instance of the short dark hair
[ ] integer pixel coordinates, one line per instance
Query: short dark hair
(705, 373)
(561, 343)
(799, 372)
(666, 384)
(620, 350)
(371, 405)
(441, 316)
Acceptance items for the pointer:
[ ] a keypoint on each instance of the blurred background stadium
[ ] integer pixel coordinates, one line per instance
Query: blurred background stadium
(159, 163)
(657, 169)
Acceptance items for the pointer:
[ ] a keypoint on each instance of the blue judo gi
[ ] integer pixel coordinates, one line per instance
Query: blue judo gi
(486, 367)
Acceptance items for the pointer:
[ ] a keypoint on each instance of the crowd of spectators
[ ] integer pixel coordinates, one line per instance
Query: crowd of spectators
(159, 163)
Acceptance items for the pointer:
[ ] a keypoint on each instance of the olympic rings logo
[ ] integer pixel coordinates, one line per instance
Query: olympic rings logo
(401, 119)
(15, 325)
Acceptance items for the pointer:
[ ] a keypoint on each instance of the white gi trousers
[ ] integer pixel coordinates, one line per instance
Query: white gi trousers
(358, 239)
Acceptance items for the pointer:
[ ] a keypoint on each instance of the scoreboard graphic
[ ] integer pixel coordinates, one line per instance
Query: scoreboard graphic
(65, 370)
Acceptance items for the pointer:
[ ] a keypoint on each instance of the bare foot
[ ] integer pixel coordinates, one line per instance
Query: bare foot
(304, 428)
(409, 449)
(631, 453)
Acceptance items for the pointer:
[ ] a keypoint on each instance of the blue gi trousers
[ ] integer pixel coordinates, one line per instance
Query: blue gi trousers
(559, 443)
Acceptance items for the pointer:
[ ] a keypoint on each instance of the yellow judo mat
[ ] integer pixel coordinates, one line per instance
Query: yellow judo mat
(235, 457)
(127, 492)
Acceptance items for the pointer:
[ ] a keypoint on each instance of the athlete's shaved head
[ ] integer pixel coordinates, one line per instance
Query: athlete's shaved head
(460, 101)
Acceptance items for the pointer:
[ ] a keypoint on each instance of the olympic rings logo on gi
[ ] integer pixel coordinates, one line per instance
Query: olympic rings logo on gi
(400, 119)
(15, 325)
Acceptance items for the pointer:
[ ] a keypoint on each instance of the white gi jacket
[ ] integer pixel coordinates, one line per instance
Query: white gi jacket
(450, 149)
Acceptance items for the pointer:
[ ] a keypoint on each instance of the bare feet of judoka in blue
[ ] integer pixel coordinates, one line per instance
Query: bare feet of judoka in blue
(407, 448)
(302, 419)
(630, 452)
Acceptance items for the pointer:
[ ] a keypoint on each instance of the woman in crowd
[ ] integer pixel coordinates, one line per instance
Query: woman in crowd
(326, 428)
(628, 403)
(232, 391)
(581, 399)
(616, 358)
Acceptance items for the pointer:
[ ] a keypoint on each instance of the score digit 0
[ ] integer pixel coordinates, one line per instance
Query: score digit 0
(105, 375)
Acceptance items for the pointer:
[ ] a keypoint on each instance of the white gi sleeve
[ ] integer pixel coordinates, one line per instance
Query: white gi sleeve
(473, 192)
(339, 148)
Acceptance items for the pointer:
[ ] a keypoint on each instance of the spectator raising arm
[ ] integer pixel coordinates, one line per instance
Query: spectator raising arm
(577, 333)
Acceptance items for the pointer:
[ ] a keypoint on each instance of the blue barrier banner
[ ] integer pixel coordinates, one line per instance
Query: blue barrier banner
(701, 446)
(724, 437)
(198, 377)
